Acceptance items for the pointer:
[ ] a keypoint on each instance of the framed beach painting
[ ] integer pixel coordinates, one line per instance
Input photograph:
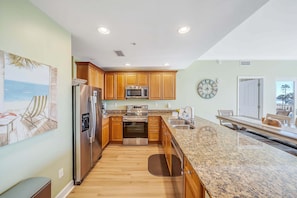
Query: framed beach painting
(28, 98)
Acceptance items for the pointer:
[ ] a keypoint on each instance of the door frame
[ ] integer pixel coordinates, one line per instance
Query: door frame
(261, 90)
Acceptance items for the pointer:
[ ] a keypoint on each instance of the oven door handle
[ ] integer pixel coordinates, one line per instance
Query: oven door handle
(145, 121)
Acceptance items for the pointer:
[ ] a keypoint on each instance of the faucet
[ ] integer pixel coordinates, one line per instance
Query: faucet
(186, 114)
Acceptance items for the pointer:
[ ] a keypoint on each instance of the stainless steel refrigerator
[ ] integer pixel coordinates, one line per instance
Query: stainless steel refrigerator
(87, 124)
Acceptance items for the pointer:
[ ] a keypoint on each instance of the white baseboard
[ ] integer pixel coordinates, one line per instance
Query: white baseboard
(66, 190)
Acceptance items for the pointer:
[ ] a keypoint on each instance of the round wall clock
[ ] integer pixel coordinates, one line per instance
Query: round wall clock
(207, 88)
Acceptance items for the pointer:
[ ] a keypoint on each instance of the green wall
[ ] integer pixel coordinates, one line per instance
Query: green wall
(227, 73)
(27, 32)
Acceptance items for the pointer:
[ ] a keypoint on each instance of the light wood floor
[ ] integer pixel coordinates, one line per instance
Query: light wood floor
(122, 172)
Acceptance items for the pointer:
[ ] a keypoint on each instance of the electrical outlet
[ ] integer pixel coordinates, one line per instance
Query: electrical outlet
(61, 173)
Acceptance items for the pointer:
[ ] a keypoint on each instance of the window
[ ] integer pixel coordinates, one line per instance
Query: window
(285, 98)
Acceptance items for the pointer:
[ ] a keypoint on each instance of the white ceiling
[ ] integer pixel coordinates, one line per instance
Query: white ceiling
(269, 34)
(151, 24)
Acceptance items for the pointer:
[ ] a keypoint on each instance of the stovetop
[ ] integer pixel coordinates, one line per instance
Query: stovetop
(136, 113)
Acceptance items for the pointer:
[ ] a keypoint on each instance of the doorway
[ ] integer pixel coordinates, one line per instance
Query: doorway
(250, 97)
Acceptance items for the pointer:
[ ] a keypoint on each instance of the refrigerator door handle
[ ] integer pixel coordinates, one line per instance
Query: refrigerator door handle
(93, 116)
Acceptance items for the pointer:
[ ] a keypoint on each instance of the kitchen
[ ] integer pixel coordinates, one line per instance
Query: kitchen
(32, 149)
(206, 130)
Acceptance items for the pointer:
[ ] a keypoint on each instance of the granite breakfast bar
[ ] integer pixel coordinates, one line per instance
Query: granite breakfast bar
(230, 164)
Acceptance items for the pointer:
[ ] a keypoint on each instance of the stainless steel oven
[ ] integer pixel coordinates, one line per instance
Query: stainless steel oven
(135, 125)
(135, 130)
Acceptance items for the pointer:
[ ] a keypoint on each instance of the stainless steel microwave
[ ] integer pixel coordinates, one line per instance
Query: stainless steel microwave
(136, 92)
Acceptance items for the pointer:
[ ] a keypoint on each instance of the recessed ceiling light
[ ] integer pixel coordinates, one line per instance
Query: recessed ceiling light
(184, 29)
(166, 64)
(127, 64)
(103, 30)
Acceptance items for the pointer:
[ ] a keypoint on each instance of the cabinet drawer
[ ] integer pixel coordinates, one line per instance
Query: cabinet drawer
(154, 118)
(116, 118)
(105, 121)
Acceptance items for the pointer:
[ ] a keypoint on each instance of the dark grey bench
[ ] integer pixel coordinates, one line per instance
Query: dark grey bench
(37, 187)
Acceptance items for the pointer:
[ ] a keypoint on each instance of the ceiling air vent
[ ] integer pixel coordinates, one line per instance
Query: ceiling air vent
(119, 53)
(245, 63)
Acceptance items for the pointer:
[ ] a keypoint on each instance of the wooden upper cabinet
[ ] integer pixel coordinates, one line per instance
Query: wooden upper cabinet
(155, 86)
(93, 77)
(142, 78)
(110, 86)
(101, 81)
(162, 85)
(131, 79)
(90, 72)
(121, 81)
(115, 85)
(169, 85)
(137, 78)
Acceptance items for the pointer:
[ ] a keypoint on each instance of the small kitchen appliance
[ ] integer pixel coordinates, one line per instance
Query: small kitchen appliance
(136, 92)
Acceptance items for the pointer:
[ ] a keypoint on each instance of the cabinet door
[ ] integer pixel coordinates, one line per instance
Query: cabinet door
(120, 86)
(193, 187)
(101, 82)
(168, 152)
(166, 142)
(109, 86)
(82, 70)
(116, 129)
(90, 72)
(131, 79)
(142, 78)
(154, 128)
(169, 85)
(155, 86)
(163, 134)
(105, 132)
(93, 77)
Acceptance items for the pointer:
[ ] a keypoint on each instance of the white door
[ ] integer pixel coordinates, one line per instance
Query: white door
(249, 97)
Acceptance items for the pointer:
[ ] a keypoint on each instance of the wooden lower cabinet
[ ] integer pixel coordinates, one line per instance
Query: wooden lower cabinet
(193, 187)
(154, 128)
(116, 133)
(166, 142)
(105, 132)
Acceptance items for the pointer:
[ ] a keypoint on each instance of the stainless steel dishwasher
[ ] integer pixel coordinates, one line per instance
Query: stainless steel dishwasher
(177, 169)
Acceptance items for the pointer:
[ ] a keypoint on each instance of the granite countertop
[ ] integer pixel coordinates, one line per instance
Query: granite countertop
(230, 164)
(150, 113)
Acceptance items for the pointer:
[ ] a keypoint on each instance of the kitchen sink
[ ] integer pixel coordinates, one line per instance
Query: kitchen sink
(180, 123)
(186, 126)
(176, 121)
